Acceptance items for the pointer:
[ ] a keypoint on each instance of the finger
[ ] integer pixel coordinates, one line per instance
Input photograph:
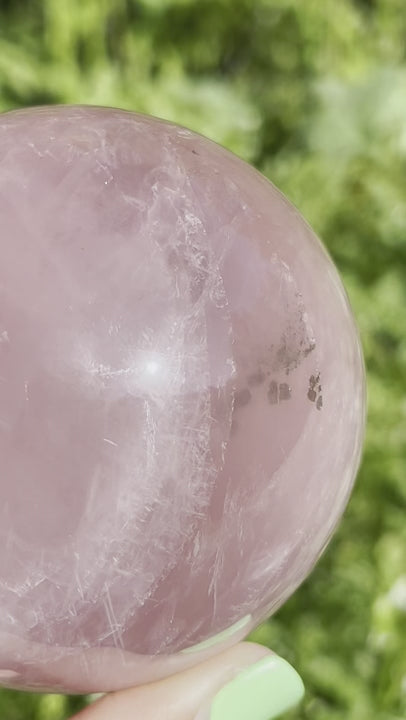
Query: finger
(246, 682)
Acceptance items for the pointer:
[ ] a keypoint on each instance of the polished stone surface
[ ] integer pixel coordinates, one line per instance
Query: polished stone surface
(181, 398)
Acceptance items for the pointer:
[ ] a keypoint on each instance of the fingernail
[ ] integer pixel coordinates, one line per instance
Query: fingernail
(261, 692)
(220, 637)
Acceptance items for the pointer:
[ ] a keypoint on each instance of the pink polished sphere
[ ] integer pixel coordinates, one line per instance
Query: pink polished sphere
(181, 399)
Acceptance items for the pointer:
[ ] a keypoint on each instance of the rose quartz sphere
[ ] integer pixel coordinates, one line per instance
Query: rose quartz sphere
(181, 399)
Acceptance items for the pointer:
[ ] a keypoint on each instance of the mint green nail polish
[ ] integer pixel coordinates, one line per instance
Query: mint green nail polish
(220, 637)
(261, 692)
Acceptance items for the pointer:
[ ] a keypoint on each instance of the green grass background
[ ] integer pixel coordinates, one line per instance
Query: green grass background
(313, 92)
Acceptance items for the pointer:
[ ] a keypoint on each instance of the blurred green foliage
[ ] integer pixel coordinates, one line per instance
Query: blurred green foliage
(313, 92)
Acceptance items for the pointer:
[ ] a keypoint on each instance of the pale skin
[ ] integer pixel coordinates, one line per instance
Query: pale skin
(184, 696)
